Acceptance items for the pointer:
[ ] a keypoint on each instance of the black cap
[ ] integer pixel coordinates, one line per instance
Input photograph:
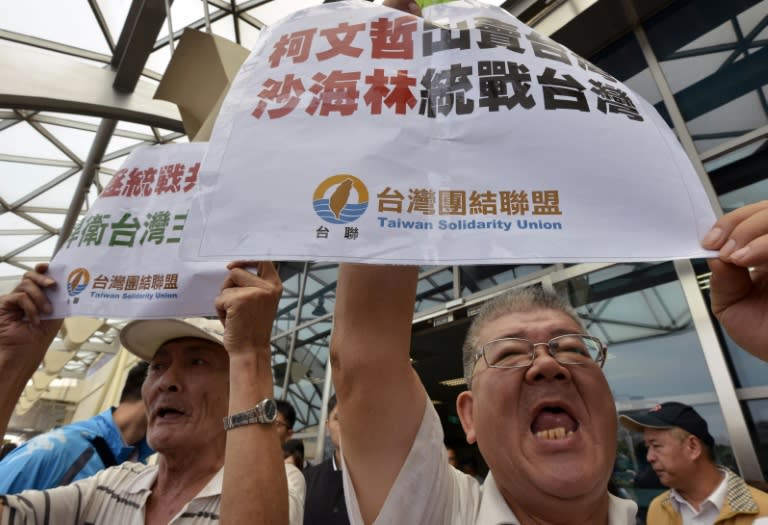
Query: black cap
(668, 415)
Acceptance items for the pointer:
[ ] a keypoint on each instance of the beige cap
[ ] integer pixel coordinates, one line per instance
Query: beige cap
(142, 338)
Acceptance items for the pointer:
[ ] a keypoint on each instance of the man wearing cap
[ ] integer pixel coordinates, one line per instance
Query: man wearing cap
(206, 391)
(680, 450)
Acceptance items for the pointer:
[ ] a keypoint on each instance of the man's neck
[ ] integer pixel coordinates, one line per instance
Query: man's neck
(542, 510)
(178, 481)
(176, 473)
(707, 478)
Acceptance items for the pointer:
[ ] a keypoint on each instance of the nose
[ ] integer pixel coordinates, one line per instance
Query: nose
(545, 367)
(650, 456)
(170, 379)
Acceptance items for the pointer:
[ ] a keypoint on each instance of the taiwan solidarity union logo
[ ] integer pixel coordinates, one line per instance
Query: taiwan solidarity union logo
(77, 281)
(340, 199)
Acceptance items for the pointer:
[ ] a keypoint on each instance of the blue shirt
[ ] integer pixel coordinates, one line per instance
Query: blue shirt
(42, 462)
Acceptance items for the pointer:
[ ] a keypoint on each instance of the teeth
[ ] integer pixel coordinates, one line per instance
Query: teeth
(554, 433)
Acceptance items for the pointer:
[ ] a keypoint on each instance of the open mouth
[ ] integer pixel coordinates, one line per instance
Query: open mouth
(168, 413)
(553, 423)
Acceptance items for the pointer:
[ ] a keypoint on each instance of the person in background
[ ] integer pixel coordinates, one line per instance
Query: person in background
(325, 490)
(680, 450)
(83, 448)
(286, 419)
(293, 453)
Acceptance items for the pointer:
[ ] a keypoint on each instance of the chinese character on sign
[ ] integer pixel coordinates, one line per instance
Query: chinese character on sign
(495, 33)
(495, 77)
(170, 178)
(350, 232)
(482, 203)
(145, 282)
(179, 219)
(133, 186)
(393, 40)
(435, 39)
(421, 200)
(562, 93)
(340, 38)
(157, 281)
(321, 232)
(513, 202)
(614, 100)
(124, 231)
(117, 282)
(115, 185)
(295, 46)
(445, 90)
(100, 282)
(93, 230)
(335, 92)
(546, 202)
(171, 281)
(154, 227)
(401, 96)
(75, 233)
(543, 47)
(390, 200)
(285, 93)
(191, 179)
(132, 282)
(452, 202)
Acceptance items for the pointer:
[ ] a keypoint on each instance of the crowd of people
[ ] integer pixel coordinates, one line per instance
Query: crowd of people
(537, 405)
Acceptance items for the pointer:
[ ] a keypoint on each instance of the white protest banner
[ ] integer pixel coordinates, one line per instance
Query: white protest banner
(355, 132)
(121, 260)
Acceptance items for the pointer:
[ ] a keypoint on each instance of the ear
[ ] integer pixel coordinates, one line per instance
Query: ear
(290, 433)
(464, 405)
(693, 447)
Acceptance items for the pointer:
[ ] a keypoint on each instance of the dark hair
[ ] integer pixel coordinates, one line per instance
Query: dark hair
(288, 412)
(132, 389)
(331, 404)
(295, 449)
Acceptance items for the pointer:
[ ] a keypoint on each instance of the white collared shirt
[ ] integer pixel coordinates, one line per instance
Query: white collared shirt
(709, 510)
(428, 491)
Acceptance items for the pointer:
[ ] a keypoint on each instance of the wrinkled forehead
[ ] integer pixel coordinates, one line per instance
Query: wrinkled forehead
(189, 345)
(538, 325)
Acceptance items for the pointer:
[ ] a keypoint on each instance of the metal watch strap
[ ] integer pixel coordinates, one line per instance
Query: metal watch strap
(248, 417)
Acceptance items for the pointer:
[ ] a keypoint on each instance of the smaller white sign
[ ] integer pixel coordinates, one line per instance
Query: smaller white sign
(121, 259)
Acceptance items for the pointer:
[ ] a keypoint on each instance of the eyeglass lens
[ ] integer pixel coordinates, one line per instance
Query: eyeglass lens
(568, 349)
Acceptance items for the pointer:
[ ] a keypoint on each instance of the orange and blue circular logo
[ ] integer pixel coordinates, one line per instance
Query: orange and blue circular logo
(340, 199)
(77, 281)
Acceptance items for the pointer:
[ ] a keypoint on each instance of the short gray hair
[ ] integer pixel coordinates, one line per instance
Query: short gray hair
(513, 301)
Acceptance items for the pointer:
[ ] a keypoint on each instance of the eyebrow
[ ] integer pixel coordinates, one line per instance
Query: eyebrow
(520, 334)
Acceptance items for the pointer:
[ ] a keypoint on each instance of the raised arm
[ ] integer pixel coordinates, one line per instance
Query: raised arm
(740, 296)
(255, 488)
(381, 399)
(24, 337)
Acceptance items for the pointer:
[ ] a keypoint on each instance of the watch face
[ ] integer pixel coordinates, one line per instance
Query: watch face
(270, 409)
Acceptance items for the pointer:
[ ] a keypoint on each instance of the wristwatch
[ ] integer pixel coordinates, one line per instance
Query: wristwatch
(265, 412)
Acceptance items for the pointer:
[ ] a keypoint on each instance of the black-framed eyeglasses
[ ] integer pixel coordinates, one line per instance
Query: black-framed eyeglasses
(568, 349)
